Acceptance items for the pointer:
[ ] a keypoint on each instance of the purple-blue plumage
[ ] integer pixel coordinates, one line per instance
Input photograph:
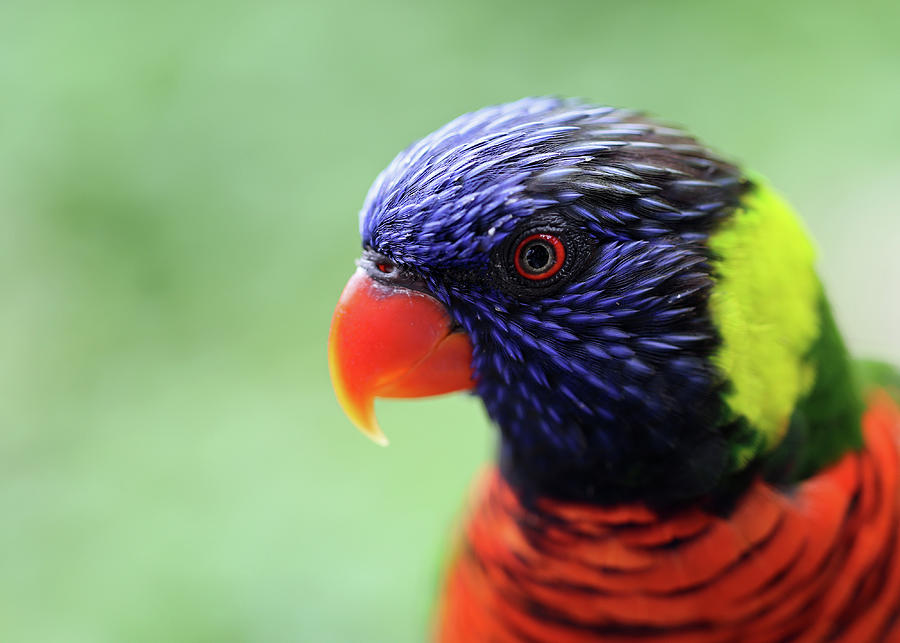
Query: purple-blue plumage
(600, 378)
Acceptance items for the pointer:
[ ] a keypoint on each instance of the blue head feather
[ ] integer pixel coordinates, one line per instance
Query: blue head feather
(601, 381)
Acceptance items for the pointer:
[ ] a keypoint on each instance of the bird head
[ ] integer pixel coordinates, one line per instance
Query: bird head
(604, 283)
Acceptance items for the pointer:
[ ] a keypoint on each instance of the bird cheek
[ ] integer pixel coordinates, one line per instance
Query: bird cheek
(389, 341)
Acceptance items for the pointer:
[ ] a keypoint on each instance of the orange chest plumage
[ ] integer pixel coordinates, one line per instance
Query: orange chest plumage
(818, 562)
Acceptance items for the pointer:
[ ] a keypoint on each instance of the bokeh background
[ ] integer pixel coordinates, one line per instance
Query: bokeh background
(179, 184)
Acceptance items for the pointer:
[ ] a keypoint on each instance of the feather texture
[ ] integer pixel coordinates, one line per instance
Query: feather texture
(683, 450)
(817, 563)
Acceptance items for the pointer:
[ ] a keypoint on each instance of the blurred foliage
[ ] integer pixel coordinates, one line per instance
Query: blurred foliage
(179, 185)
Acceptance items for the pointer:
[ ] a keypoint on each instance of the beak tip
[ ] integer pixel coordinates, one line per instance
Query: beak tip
(372, 431)
(361, 412)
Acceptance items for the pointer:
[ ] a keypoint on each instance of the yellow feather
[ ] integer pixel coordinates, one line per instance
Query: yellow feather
(765, 307)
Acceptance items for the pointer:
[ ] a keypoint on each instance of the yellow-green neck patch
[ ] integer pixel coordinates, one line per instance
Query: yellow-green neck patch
(765, 305)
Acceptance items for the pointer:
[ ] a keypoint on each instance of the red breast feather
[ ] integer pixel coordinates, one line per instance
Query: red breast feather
(813, 563)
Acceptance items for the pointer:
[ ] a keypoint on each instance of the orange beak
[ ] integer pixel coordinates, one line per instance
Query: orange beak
(389, 341)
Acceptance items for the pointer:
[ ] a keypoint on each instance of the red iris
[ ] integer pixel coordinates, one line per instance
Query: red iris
(539, 256)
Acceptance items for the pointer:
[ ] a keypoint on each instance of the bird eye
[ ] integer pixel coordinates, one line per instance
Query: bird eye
(385, 266)
(539, 256)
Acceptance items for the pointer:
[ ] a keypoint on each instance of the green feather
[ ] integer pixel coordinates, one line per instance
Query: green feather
(872, 375)
(826, 421)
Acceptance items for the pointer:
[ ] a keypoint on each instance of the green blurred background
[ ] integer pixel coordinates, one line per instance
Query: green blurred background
(179, 184)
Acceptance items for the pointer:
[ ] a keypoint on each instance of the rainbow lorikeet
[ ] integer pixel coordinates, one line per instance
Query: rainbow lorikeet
(687, 453)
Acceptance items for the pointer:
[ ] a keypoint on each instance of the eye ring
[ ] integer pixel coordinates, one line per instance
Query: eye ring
(539, 256)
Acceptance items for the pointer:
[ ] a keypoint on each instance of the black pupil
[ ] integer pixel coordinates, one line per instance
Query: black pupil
(538, 257)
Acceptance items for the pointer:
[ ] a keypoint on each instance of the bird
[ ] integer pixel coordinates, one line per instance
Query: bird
(686, 449)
